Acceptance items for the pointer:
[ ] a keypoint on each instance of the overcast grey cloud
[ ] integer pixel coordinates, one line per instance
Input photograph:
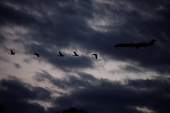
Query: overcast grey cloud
(87, 27)
(70, 81)
(103, 96)
(2, 39)
(17, 66)
(129, 68)
(67, 24)
(4, 59)
(106, 96)
(65, 63)
(15, 94)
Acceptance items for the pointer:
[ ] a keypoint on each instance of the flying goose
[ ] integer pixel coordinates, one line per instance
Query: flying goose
(38, 55)
(95, 55)
(61, 55)
(75, 54)
(12, 53)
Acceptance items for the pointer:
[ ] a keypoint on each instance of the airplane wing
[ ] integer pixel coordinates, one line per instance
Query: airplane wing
(124, 45)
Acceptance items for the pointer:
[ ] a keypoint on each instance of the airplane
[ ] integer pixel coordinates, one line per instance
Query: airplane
(12, 53)
(95, 55)
(75, 54)
(38, 55)
(136, 45)
(61, 55)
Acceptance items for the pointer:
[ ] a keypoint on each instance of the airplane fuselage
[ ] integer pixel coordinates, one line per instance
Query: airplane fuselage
(135, 45)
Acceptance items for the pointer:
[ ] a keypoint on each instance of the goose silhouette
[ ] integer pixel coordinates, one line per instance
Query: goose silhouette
(12, 53)
(95, 55)
(75, 54)
(38, 55)
(61, 55)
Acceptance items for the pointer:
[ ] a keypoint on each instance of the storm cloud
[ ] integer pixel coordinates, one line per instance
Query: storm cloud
(102, 95)
(87, 27)
(15, 96)
(98, 95)
(78, 23)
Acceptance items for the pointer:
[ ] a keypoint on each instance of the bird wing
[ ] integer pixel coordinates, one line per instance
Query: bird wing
(12, 52)
(96, 56)
(75, 53)
(60, 53)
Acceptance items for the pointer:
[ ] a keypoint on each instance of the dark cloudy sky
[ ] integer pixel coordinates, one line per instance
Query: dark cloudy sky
(120, 80)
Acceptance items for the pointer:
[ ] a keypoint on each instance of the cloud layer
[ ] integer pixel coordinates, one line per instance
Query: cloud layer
(80, 24)
(89, 93)
(87, 27)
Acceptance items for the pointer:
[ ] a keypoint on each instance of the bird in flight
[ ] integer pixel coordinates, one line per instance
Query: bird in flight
(12, 53)
(136, 45)
(61, 55)
(38, 55)
(95, 55)
(75, 54)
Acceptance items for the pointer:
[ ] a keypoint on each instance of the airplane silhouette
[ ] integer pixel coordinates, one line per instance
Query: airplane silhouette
(136, 45)
(38, 55)
(95, 55)
(61, 55)
(75, 54)
(12, 53)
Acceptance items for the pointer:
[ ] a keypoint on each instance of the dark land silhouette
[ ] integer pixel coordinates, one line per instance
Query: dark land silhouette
(2, 108)
(73, 110)
(136, 45)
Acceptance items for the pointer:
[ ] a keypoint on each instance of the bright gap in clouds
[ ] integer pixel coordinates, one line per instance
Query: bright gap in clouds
(112, 70)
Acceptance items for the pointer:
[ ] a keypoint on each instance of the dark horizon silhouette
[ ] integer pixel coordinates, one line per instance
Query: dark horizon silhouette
(136, 45)
(73, 110)
(2, 108)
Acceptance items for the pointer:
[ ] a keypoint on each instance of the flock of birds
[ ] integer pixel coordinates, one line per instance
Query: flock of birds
(60, 54)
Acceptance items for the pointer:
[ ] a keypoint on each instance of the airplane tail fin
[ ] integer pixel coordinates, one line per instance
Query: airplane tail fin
(152, 42)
